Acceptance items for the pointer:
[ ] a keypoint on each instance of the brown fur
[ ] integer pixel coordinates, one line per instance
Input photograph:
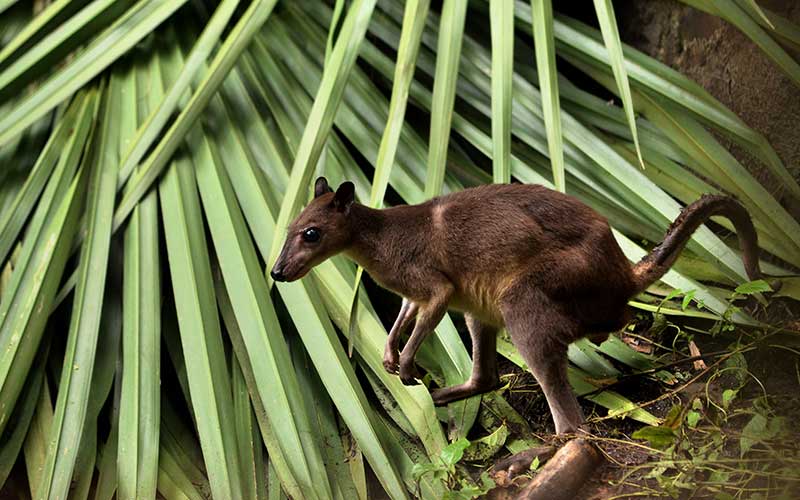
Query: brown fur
(536, 261)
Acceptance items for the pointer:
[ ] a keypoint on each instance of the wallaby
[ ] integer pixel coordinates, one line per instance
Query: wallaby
(541, 263)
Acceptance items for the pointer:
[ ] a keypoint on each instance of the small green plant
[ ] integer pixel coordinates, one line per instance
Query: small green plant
(748, 289)
(751, 288)
(707, 453)
(457, 482)
(722, 442)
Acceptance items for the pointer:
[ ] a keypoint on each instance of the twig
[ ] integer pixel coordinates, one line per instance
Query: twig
(663, 367)
(678, 389)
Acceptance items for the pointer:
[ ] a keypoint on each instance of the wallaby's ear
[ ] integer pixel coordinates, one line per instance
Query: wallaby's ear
(344, 196)
(321, 187)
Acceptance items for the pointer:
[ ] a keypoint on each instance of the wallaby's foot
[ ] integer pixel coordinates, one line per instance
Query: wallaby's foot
(445, 395)
(520, 463)
(409, 372)
(391, 361)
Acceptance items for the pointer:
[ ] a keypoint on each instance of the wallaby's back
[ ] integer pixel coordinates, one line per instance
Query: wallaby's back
(489, 238)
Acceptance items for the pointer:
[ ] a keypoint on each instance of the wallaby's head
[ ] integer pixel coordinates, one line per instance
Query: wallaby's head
(322, 230)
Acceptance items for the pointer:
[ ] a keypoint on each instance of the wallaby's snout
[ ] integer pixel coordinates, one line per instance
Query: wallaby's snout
(320, 231)
(277, 275)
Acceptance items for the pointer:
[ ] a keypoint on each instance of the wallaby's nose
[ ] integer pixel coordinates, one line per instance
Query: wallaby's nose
(277, 275)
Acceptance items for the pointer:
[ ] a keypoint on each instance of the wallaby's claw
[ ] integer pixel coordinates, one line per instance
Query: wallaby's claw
(409, 374)
(391, 360)
(391, 363)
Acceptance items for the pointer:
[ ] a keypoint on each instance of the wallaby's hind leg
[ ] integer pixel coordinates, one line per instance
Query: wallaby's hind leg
(391, 353)
(541, 333)
(484, 365)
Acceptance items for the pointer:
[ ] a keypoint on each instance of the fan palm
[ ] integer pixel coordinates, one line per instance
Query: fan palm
(153, 152)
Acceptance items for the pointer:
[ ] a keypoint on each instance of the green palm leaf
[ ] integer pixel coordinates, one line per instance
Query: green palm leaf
(97, 56)
(14, 437)
(257, 322)
(52, 46)
(26, 198)
(36, 439)
(53, 15)
(37, 273)
(74, 389)
(608, 26)
(502, 22)
(542, 23)
(158, 118)
(138, 420)
(210, 123)
(225, 58)
(451, 31)
(206, 366)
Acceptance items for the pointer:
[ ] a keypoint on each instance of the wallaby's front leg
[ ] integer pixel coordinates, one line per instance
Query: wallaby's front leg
(391, 355)
(430, 314)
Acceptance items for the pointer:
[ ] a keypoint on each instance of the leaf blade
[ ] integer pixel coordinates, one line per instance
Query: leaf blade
(502, 33)
(451, 32)
(544, 45)
(608, 26)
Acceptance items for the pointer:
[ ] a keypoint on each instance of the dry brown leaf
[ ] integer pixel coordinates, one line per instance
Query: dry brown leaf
(695, 351)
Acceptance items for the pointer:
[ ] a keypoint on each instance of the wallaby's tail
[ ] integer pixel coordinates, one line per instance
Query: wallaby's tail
(655, 264)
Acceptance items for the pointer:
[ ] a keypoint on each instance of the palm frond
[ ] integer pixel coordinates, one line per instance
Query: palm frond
(153, 153)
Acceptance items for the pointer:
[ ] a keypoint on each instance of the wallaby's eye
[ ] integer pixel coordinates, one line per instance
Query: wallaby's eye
(311, 235)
